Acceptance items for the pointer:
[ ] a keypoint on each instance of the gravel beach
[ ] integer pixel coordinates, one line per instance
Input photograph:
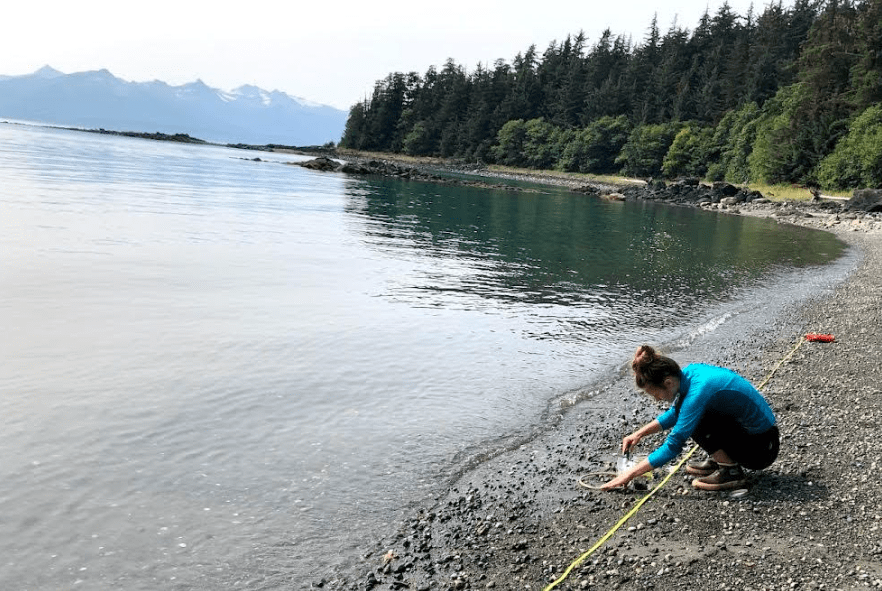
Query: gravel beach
(812, 520)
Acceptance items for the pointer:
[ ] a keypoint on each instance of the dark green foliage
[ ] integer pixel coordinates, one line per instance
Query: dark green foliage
(767, 97)
(731, 145)
(866, 73)
(803, 122)
(541, 144)
(510, 140)
(419, 140)
(642, 154)
(688, 154)
(775, 154)
(594, 148)
(857, 159)
(355, 134)
(606, 90)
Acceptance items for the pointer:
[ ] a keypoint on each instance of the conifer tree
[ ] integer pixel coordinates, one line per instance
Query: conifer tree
(762, 96)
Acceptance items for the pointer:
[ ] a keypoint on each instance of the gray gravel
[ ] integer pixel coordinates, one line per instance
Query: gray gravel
(810, 521)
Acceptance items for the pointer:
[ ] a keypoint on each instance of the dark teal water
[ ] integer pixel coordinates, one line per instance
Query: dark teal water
(573, 250)
(220, 373)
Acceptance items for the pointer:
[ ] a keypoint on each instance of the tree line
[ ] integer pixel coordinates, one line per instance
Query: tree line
(791, 95)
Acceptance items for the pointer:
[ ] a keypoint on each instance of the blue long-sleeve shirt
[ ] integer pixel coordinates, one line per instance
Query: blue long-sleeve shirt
(707, 386)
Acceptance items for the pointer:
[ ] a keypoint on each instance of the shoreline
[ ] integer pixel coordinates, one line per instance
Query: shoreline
(811, 520)
(825, 213)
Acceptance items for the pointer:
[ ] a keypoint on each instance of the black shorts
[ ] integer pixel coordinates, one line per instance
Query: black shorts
(717, 431)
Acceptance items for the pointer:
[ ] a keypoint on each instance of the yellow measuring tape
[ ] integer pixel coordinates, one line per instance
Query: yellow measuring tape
(664, 481)
(780, 363)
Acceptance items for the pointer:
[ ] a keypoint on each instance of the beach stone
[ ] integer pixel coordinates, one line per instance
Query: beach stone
(724, 189)
(322, 163)
(865, 200)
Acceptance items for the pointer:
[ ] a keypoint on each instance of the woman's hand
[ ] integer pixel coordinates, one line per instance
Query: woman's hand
(630, 441)
(628, 475)
(648, 429)
(620, 480)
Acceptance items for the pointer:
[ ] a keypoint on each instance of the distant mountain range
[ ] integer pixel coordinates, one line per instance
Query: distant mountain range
(98, 99)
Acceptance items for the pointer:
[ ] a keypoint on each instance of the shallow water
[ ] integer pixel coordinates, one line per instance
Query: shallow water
(222, 373)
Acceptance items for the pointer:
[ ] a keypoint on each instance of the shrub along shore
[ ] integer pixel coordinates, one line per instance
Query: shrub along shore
(810, 521)
(862, 210)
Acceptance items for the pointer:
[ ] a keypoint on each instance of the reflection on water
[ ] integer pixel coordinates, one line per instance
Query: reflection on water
(220, 373)
(494, 250)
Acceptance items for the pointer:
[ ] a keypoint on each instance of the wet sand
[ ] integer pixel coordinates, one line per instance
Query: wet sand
(810, 521)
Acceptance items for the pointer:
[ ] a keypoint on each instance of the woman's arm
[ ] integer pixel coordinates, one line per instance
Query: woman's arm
(641, 467)
(648, 429)
(624, 478)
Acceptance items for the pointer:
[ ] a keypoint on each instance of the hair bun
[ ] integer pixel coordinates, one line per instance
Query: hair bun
(644, 355)
(652, 368)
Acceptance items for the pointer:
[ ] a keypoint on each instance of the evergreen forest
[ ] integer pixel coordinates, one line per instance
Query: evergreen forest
(789, 95)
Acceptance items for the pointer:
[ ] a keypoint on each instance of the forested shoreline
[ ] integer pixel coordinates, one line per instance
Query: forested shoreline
(790, 95)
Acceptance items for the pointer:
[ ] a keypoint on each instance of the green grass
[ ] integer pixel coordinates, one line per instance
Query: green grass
(404, 158)
(772, 192)
(575, 176)
(791, 192)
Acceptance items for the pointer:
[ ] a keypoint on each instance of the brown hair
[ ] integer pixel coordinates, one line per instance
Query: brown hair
(651, 368)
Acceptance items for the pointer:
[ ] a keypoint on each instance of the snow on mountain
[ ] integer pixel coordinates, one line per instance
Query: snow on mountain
(98, 99)
(305, 102)
(48, 72)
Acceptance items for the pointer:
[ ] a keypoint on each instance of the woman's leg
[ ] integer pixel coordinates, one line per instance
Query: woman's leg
(759, 451)
(732, 447)
(721, 457)
(715, 433)
(720, 436)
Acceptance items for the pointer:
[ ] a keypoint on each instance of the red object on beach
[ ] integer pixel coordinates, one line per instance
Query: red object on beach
(821, 338)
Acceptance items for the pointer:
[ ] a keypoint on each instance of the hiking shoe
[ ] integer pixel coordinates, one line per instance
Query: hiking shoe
(705, 468)
(727, 477)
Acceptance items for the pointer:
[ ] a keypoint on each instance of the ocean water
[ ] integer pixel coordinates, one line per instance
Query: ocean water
(222, 373)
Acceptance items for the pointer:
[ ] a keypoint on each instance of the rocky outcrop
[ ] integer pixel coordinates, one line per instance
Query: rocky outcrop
(397, 171)
(865, 200)
(322, 163)
(685, 191)
(817, 213)
(367, 167)
(181, 138)
(389, 169)
(691, 192)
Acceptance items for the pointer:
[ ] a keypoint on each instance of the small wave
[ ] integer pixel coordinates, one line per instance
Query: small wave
(707, 327)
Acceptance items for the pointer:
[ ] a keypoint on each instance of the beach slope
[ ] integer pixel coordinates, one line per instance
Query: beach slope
(813, 520)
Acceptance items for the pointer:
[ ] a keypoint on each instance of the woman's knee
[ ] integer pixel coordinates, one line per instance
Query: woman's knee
(763, 451)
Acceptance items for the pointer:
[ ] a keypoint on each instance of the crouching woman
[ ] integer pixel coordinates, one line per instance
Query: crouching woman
(720, 410)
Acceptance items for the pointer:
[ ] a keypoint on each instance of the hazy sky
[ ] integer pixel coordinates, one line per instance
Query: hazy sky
(328, 52)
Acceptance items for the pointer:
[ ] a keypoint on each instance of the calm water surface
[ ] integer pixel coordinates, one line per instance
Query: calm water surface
(222, 373)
